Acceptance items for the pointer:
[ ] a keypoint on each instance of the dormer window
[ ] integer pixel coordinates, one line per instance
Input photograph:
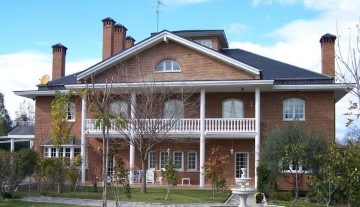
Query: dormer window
(204, 42)
(168, 66)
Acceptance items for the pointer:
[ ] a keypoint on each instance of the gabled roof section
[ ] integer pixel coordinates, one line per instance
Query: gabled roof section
(164, 36)
(202, 33)
(59, 84)
(22, 130)
(276, 70)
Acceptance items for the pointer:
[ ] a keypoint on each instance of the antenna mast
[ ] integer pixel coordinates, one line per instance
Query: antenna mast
(157, 14)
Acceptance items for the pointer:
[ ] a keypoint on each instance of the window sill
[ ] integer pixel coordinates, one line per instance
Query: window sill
(293, 119)
(168, 71)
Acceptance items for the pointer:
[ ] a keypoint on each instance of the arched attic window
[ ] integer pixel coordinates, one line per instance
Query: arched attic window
(168, 65)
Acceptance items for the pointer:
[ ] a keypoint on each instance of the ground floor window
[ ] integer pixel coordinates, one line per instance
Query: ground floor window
(163, 158)
(192, 161)
(241, 161)
(111, 166)
(68, 152)
(178, 160)
(151, 160)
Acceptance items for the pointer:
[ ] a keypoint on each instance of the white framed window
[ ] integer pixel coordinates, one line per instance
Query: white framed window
(233, 108)
(174, 109)
(292, 167)
(67, 152)
(117, 107)
(53, 152)
(71, 112)
(46, 152)
(178, 160)
(111, 165)
(168, 65)
(163, 158)
(151, 160)
(192, 161)
(241, 161)
(204, 42)
(61, 154)
(293, 109)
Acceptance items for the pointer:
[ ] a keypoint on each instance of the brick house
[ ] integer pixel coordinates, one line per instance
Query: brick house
(241, 96)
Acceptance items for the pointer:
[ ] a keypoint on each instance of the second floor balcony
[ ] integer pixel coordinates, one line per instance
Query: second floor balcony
(216, 127)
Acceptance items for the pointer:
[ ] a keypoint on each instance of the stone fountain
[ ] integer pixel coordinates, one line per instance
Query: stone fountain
(243, 191)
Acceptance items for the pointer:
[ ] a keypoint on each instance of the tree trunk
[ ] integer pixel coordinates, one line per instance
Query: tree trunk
(143, 176)
(296, 186)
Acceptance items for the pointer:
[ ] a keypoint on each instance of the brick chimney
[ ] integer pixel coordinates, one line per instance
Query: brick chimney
(119, 38)
(129, 42)
(327, 42)
(108, 37)
(58, 67)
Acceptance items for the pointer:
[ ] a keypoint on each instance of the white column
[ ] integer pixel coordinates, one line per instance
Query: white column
(132, 147)
(83, 138)
(12, 145)
(202, 138)
(31, 144)
(257, 129)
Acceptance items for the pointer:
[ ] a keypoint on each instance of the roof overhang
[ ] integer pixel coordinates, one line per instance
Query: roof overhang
(30, 136)
(164, 36)
(33, 93)
(339, 89)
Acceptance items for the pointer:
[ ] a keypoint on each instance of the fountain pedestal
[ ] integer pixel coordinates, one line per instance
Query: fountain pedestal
(243, 191)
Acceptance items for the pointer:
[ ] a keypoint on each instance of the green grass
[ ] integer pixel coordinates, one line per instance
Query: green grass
(295, 204)
(153, 195)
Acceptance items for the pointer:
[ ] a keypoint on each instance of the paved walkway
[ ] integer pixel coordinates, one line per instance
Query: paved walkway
(91, 202)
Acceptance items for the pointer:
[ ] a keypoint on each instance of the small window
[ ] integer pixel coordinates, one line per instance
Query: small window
(71, 111)
(53, 152)
(233, 108)
(168, 66)
(46, 152)
(163, 158)
(204, 42)
(178, 160)
(174, 109)
(67, 152)
(151, 160)
(293, 109)
(241, 161)
(292, 167)
(192, 161)
(117, 107)
(77, 152)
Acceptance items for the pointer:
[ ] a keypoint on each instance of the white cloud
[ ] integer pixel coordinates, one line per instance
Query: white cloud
(297, 42)
(22, 71)
(237, 28)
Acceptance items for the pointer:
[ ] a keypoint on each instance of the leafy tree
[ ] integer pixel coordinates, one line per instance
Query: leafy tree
(60, 130)
(340, 173)
(214, 170)
(121, 179)
(18, 165)
(170, 175)
(291, 145)
(5, 121)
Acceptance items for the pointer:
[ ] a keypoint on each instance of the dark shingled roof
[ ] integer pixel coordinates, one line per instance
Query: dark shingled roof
(71, 141)
(22, 130)
(59, 84)
(273, 69)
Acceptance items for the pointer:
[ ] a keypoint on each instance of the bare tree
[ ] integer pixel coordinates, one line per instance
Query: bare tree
(348, 73)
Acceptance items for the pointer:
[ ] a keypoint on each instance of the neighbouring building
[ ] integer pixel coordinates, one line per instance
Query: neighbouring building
(240, 96)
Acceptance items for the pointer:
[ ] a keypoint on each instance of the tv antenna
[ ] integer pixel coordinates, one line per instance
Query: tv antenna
(158, 2)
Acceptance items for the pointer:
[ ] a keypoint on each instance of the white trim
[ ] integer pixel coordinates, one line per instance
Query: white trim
(150, 168)
(293, 110)
(257, 129)
(232, 83)
(165, 36)
(328, 87)
(21, 136)
(202, 138)
(33, 93)
(83, 138)
(247, 163)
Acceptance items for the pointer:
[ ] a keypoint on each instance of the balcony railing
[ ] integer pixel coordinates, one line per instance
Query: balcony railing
(212, 125)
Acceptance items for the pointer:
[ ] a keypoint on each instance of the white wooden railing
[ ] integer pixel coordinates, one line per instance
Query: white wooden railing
(183, 125)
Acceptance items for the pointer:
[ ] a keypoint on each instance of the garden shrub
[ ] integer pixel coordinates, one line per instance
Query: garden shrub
(282, 196)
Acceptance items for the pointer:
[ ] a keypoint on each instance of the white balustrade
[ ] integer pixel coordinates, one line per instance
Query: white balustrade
(183, 125)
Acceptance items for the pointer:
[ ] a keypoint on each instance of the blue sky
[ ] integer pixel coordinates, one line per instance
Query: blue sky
(286, 30)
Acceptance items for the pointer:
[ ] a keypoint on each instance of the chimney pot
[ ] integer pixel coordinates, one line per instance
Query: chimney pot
(129, 42)
(108, 37)
(327, 42)
(119, 38)
(58, 66)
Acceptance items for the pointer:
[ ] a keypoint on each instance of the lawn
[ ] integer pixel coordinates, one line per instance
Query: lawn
(16, 203)
(153, 195)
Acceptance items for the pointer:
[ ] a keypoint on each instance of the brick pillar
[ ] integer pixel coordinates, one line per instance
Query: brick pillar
(327, 42)
(119, 38)
(129, 42)
(58, 66)
(108, 37)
